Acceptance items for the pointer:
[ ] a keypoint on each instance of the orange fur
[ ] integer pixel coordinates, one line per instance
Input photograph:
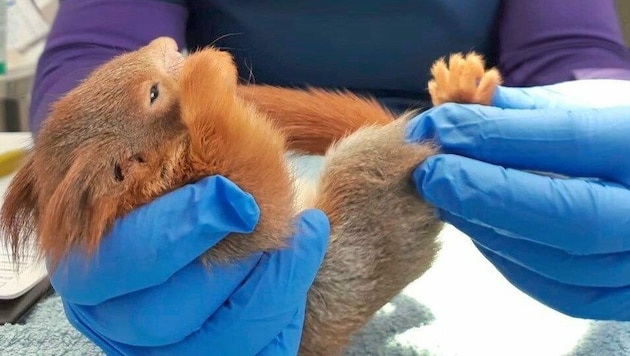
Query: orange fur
(19, 212)
(229, 137)
(463, 80)
(300, 114)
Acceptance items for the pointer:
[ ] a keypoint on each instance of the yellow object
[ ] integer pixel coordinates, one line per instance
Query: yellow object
(10, 161)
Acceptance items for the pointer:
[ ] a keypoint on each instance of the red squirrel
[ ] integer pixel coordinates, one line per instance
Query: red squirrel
(151, 120)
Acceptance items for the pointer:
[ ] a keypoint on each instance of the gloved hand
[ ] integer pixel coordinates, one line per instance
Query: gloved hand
(562, 237)
(144, 291)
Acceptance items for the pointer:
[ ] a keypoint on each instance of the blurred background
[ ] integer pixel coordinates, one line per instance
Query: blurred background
(25, 25)
(623, 6)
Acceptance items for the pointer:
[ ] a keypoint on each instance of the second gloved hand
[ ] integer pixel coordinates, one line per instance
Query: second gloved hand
(145, 292)
(561, 236)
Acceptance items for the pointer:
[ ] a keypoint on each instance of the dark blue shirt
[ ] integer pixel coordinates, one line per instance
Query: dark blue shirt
(382, 47)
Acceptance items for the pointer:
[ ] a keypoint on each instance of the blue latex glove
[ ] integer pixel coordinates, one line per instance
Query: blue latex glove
(564, 238)
(144, 291)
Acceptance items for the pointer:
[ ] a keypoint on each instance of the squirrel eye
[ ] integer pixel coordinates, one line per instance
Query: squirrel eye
(154, 93)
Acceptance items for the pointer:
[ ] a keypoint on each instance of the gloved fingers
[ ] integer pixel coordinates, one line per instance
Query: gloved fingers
(151, 243)
(190, 310)
(240, 338)
(282, 278)
(288, 341)
(75, 318)
(571, 95)
(578, 143)
(576, 301)
(168, 313)
(285, 341)
(268, 300)
(538, 97)
(577, 216)
(607, 270)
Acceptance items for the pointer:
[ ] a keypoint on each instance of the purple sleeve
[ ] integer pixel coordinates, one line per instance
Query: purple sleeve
(87, 33)
(549, 41)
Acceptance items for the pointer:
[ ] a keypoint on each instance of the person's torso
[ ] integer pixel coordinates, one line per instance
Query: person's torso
(381, 47)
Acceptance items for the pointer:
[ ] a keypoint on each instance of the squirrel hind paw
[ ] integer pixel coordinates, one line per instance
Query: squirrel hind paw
(463, 79)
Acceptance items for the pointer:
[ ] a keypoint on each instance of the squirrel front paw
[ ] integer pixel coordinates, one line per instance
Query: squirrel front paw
(463, 80)
(207, 86)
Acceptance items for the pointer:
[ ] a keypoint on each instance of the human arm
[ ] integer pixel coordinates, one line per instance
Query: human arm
(87, 33)
(549, 41)
(560, 237)
(144, 290)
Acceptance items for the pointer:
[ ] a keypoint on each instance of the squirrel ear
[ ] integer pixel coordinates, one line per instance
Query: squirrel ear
(122, 168)
(81, 209)
(19, 211)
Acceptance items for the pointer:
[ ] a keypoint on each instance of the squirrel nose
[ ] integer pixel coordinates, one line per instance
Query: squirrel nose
(164, 44)
(174, 62)
(165, 48)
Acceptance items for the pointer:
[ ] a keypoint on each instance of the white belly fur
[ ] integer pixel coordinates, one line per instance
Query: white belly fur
(305, 172)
